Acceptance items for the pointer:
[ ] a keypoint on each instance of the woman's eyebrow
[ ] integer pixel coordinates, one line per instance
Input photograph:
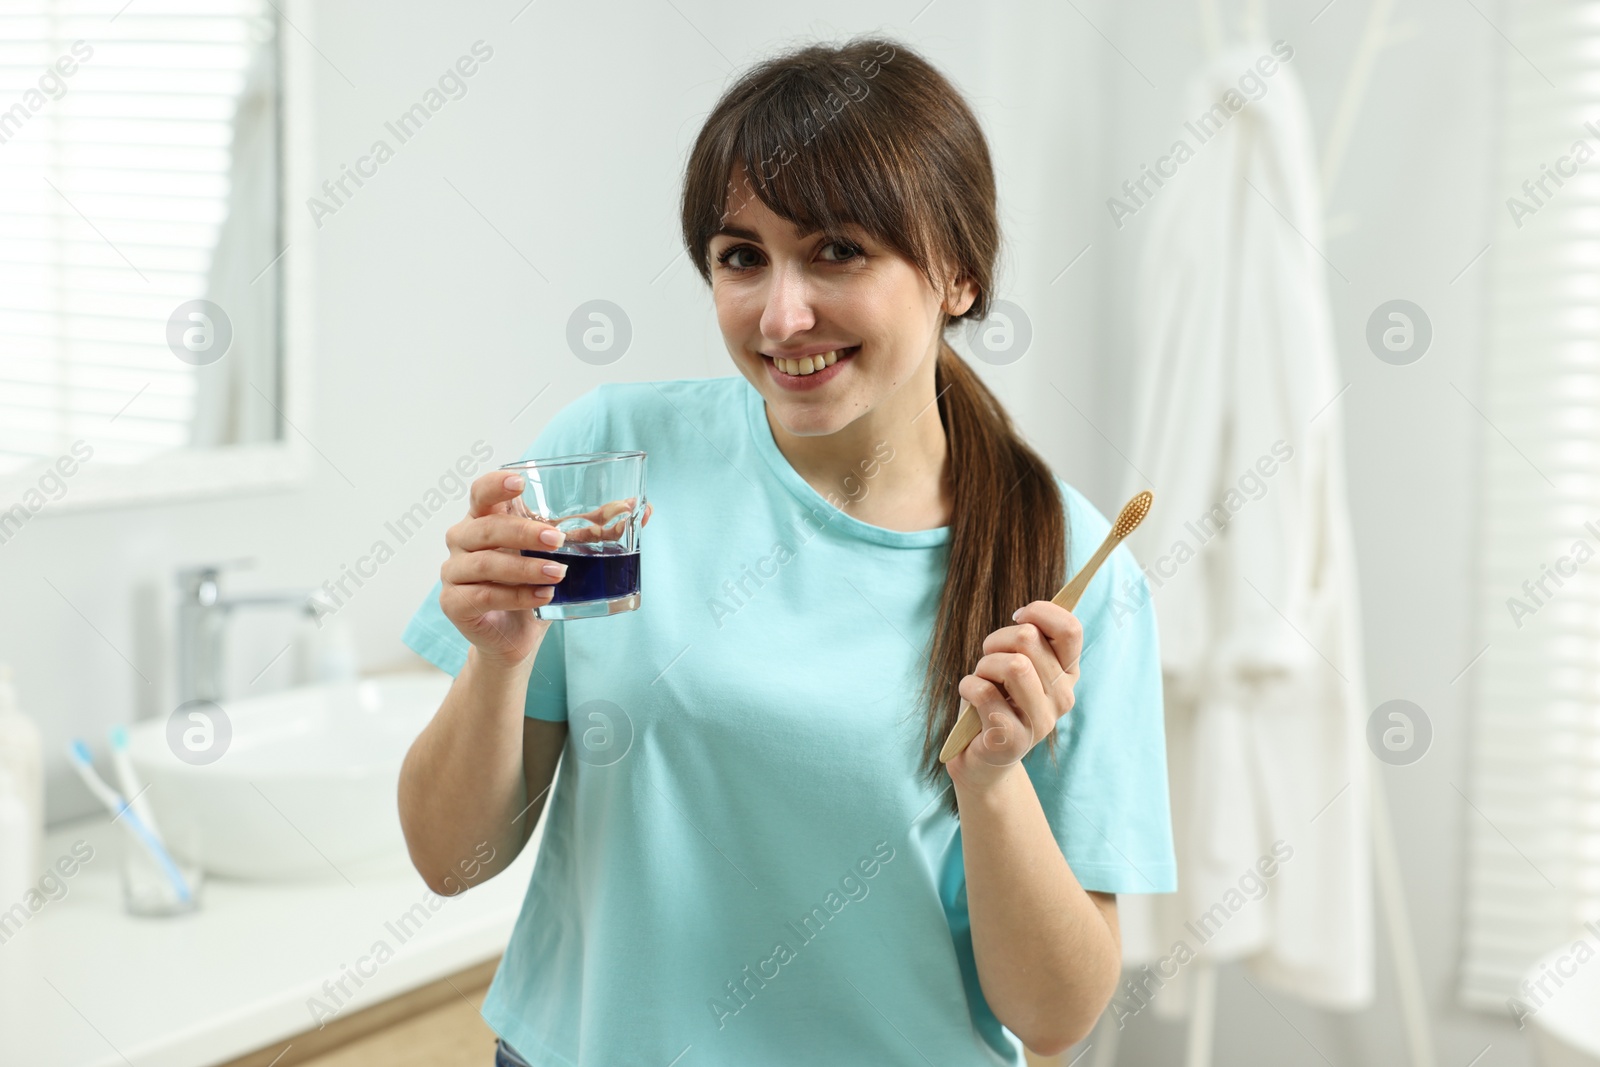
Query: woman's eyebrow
(737, 231)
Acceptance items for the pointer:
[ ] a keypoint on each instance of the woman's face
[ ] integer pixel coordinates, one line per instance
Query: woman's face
(782, 294)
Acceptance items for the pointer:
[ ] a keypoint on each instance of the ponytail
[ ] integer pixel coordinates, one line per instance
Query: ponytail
(1008, 545)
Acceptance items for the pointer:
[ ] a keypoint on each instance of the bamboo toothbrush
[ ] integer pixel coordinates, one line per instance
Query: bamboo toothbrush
(1133, 512)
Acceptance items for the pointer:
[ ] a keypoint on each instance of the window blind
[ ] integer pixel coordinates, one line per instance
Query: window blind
(1533, 824)
(115, 128)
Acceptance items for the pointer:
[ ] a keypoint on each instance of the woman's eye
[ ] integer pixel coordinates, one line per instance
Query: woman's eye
(729, 254)
(850, 249)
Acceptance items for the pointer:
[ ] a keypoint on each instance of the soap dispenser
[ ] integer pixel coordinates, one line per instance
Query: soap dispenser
(19, 843)
(21, 754)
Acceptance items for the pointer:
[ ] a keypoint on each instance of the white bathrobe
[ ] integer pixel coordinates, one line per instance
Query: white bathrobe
(1260, 629)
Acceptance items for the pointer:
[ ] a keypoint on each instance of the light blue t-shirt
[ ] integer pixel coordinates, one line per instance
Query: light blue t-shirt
(741, 863)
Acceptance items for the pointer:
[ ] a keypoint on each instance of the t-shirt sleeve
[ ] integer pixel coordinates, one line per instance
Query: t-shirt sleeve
(572, 430)
(1105, 796)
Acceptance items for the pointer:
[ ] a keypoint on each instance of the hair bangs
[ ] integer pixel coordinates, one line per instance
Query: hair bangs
(807, 148)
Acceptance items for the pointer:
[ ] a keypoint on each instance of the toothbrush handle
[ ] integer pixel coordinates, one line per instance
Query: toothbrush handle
(132, 790)
(967, 724)
(158, 852)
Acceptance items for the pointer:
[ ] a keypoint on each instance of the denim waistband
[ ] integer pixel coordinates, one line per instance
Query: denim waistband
(506, 1056)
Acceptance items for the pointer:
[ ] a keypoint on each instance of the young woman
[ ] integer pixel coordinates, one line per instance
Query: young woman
(753, 854)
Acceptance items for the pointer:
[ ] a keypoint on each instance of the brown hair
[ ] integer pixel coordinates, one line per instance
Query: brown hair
(869, 133)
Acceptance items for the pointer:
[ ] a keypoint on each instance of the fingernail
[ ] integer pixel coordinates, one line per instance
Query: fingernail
(553, 538)
(1016, 615)
(513, 481)
(556, 570)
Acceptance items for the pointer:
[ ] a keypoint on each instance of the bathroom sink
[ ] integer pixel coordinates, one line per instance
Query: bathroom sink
(304, 787)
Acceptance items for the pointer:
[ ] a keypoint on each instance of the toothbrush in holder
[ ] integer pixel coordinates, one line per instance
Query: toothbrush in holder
(122, 763)
(128, 814)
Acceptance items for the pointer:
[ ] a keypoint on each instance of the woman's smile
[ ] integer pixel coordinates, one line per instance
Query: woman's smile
(808, 372)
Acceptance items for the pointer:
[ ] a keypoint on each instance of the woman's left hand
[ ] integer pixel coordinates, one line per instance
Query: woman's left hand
(1020, 689)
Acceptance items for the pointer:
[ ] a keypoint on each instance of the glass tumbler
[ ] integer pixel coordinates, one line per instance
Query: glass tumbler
(597, 500)
(161, 880)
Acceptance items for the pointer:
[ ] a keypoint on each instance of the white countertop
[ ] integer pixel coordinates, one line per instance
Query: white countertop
(84, 984)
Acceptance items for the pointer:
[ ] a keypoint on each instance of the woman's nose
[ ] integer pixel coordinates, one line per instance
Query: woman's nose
(788, 309)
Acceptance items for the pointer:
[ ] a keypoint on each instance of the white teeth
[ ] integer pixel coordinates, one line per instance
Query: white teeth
(808, 364)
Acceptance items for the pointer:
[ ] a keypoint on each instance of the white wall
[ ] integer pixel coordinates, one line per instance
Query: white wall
(433, 331)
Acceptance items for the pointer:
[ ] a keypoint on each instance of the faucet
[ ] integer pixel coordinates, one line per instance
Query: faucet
(203, 612)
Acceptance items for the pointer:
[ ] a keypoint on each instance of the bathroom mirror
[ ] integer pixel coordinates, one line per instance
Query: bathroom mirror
(151, 338)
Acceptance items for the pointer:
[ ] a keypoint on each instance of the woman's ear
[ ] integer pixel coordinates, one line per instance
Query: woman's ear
(959, 297)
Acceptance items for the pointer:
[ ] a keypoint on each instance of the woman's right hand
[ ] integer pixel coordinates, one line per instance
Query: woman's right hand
(488, 586)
